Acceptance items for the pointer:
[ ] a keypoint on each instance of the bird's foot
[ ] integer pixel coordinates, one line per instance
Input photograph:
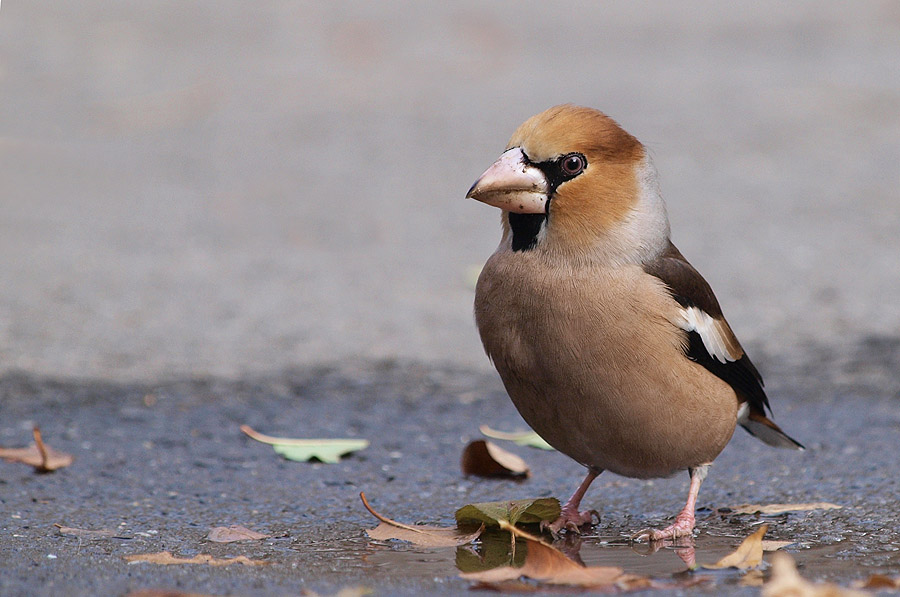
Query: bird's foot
(682, 527)
(682, 546)
(570, 519)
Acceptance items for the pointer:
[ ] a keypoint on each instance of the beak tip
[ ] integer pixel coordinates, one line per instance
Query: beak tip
(471, 193)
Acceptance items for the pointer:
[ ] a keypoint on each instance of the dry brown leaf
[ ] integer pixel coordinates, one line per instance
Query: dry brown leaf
(487, 459)
(772, 545)
(419, 534)
(86, 533)
(233, 533)
(39, 455)
(165, 593)
(782, 508)
(787, 582)
(165, 558)
(422, 535)
(345, 592)
(878, 582)
(748, 554)
(547, 564)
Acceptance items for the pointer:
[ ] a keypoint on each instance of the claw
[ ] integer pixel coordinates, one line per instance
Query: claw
(641, 535)
(682, 527)
(684, 522)
(570, 521)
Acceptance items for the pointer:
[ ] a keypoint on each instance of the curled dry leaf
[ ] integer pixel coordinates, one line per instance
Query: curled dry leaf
(164, 558)
(782, 508)
(419, 534)
(748, 554)
(547, 564)
(302, 450)
(531, 511)
(233, 533)
(522, 438)
(486, 459)
(39, 455)
(787, 582)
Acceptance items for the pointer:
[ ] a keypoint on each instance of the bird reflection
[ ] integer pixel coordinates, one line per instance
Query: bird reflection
(495, 550)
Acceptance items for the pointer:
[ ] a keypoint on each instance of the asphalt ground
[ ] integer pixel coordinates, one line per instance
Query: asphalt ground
(161, 464)
(254, 214)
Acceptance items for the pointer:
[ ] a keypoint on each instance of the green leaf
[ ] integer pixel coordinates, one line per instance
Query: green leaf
(514, 512)
(523, 438)
(324, 450)
(493, 551)
(302, 450)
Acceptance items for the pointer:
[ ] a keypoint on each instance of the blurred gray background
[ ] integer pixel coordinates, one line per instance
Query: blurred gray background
(233, 188)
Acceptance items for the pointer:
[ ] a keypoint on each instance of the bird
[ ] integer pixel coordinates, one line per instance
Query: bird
(612, 347)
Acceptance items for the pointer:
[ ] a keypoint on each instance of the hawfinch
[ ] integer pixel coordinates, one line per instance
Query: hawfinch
(611, 345)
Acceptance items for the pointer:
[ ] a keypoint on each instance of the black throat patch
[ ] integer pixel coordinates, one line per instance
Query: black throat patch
(525, 230)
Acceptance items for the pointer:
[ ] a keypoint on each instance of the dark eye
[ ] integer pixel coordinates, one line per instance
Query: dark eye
(572, 164)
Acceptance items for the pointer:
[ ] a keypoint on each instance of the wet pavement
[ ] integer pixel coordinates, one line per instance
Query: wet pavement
(161, 464)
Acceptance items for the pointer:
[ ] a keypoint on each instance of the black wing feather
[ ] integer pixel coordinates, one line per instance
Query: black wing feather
(741, 374)
(690, 290)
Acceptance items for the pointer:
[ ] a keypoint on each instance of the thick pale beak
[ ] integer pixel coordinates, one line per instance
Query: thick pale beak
(512, 184)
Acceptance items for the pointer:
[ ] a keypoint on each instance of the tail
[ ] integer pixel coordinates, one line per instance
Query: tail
(761, 427)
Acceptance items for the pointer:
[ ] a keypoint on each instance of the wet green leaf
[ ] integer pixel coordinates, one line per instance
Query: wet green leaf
(547, 564)
(514, 512)
(493, 550)
(523, 438)
(302, 450)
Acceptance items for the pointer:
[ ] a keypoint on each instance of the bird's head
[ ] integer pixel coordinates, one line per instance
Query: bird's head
(572, 181)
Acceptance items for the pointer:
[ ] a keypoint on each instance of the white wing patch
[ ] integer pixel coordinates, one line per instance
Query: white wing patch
(743, 413)
(716, 335)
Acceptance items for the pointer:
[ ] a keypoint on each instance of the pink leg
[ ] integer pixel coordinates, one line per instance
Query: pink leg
(570, 518)
(684, 522)
(688, 555)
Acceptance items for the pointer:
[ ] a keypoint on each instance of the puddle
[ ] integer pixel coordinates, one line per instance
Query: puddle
(384, 560)
(493, 550)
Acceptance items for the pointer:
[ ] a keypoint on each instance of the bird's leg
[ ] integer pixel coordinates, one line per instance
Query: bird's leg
(684, 522)
(570, 518)
(688, 555)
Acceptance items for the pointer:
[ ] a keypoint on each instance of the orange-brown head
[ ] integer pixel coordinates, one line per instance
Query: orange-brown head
(572, 181)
